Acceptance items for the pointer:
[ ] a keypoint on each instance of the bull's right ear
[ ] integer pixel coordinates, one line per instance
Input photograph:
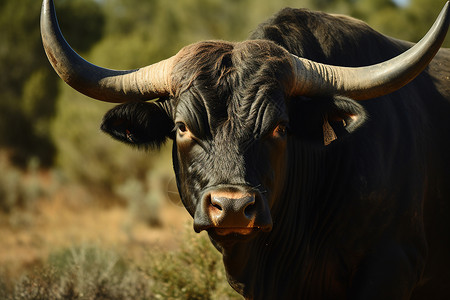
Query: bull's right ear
(142, 124)
(324, 120)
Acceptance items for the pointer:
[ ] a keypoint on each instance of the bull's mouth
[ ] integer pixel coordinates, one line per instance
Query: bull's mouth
(227, 235)
(231, 235)
(236, 230)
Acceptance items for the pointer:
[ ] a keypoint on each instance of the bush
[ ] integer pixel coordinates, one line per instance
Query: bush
(15, 191)
(143, 199)
(83, 273)
(194, 271)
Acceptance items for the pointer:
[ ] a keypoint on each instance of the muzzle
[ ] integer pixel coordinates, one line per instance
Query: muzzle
(232, 209)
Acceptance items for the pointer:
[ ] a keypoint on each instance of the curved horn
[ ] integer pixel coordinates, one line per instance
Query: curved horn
(103, 84)
(316, 79)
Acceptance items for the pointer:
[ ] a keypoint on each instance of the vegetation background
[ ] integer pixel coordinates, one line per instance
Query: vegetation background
(82, 216)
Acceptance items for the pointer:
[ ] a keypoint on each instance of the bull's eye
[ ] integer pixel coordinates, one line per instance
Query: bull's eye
(280, 130)
(182, 128)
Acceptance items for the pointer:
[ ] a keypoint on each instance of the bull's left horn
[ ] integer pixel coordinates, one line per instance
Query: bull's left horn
(316, 79)
(103, 84)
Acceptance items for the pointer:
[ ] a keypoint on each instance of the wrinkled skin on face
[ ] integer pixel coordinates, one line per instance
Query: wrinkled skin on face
(237, 156)
(230, 143)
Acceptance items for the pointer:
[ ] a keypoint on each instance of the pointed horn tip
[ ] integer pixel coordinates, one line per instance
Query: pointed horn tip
(446, 5)
(46, 4)
(446, 8)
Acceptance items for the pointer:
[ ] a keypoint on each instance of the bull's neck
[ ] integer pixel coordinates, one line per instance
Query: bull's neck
(301, 231)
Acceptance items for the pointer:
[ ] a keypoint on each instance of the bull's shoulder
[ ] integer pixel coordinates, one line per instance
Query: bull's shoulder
(439, 70)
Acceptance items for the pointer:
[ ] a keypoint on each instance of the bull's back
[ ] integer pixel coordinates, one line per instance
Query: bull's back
(436, 278)
(439, 69)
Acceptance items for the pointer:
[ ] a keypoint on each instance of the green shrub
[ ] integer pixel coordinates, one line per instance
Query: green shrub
(83, 273)
(194, 271)
(19, 189)
(143, 199)
(9, 187)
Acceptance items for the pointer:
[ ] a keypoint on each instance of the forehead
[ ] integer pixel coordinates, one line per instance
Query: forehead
(207, 112)
(239, 83)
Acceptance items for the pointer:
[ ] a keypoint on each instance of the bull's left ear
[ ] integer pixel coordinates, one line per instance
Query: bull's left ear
(346, 111)
(327, 119)
(140, 124)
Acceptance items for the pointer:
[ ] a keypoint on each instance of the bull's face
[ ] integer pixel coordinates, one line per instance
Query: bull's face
(230, 174)
(230, 169)
(230, 132)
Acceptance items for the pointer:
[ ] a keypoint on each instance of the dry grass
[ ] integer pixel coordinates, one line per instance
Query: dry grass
(193, 271)
(30, 236)
(72, 246)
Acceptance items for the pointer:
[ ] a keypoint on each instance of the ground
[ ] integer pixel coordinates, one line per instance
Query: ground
(28, 237)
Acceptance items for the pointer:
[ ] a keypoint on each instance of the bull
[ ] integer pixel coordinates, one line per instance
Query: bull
(306, 190)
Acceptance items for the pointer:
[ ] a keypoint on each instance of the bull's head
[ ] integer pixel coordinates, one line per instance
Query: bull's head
(228, 108)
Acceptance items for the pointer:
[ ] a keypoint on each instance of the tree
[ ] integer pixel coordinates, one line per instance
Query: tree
(410, 22)
(28, 85)
(423, 13)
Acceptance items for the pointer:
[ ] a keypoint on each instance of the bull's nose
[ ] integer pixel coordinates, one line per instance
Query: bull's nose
(234, 210)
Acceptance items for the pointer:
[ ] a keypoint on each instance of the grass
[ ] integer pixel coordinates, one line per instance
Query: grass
(193, 271)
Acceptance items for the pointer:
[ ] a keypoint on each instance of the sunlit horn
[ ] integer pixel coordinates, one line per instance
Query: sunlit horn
(316, 79)
(103, 84)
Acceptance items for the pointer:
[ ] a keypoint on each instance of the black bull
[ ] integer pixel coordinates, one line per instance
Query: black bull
(306, 192)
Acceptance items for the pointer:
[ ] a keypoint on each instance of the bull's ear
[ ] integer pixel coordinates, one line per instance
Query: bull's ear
(140, 124)
(325, 120)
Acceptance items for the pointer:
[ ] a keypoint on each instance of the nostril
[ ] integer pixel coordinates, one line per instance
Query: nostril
(217, 206)
(250, 210)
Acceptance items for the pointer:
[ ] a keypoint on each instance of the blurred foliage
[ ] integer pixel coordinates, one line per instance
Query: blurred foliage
(41, 117)
(15, 192)
(84, 272)
(28, 85)
(143, 199)
(194, 271)
(408, 23)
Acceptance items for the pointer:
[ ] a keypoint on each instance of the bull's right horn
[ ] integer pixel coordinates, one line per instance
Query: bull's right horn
(316, 79)
(103, 84)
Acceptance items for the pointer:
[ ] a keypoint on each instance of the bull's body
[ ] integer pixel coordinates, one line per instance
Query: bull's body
(365, 216)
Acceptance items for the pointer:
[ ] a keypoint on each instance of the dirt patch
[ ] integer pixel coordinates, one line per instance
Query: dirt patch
(27, 238)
